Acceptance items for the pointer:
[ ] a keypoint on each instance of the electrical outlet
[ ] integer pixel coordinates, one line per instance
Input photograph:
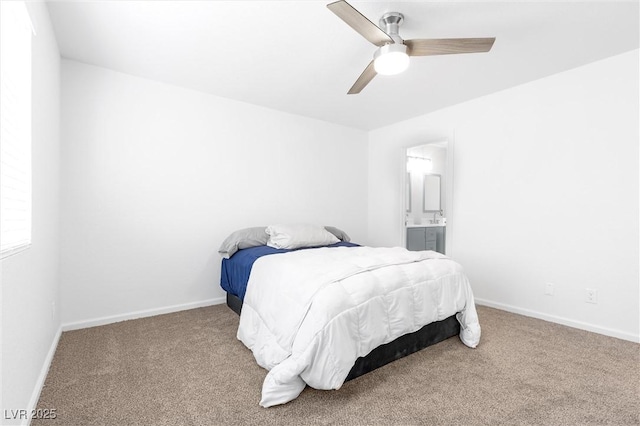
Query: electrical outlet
(548, 289)
(592, 295)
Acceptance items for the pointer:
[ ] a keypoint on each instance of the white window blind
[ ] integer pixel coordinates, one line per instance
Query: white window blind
(15, 127)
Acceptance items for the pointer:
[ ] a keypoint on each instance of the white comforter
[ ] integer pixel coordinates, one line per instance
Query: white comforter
(309, 314)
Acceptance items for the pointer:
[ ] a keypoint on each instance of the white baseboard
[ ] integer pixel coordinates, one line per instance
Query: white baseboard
(35, 396)
(141, 314)
(561, 320)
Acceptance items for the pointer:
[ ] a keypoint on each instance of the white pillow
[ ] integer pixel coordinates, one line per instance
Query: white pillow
(242, 239)
(299, 235)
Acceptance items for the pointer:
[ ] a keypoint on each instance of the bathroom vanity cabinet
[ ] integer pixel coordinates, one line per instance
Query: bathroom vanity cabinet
(426, 238)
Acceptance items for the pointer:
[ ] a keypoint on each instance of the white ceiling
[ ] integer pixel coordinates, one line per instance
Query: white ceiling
(298, 57)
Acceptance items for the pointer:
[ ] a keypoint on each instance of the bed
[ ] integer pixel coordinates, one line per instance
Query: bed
(319, 310)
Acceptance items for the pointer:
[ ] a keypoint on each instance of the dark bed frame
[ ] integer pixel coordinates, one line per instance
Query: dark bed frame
(405, 345)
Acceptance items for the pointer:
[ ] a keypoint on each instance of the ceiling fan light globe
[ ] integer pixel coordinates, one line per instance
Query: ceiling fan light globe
(391, 59)
(391, 63)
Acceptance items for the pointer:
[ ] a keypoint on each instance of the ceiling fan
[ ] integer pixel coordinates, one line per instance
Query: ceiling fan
(392, 55)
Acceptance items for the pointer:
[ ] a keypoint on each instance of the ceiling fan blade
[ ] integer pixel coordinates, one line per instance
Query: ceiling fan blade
(360, 23)
(446, 46)
(364, 79)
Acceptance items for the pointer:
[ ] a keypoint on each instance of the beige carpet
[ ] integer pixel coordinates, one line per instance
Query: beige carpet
(187, 368)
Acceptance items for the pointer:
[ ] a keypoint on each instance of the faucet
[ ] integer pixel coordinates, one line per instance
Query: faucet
(435, 221)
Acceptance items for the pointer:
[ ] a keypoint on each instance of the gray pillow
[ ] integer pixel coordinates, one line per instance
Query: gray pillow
(242, 239)
(339, 233)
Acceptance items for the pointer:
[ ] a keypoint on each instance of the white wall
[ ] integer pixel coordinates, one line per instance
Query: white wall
(30, 278)
(545, 190)
(156, 176)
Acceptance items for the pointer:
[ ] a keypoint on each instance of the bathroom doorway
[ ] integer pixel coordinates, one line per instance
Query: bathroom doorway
(427, 197)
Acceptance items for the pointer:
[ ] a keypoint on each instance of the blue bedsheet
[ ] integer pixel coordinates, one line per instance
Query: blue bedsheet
(236, 270)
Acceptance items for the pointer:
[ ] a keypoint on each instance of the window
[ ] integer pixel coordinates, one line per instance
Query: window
(15, 127)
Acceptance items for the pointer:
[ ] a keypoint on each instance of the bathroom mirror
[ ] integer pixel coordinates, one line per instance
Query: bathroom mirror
(431, 197)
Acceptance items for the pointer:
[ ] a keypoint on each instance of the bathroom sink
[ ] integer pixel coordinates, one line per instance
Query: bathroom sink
(426, 224)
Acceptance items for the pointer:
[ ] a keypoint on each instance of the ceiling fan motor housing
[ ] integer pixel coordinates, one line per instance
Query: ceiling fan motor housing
(390, 48)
